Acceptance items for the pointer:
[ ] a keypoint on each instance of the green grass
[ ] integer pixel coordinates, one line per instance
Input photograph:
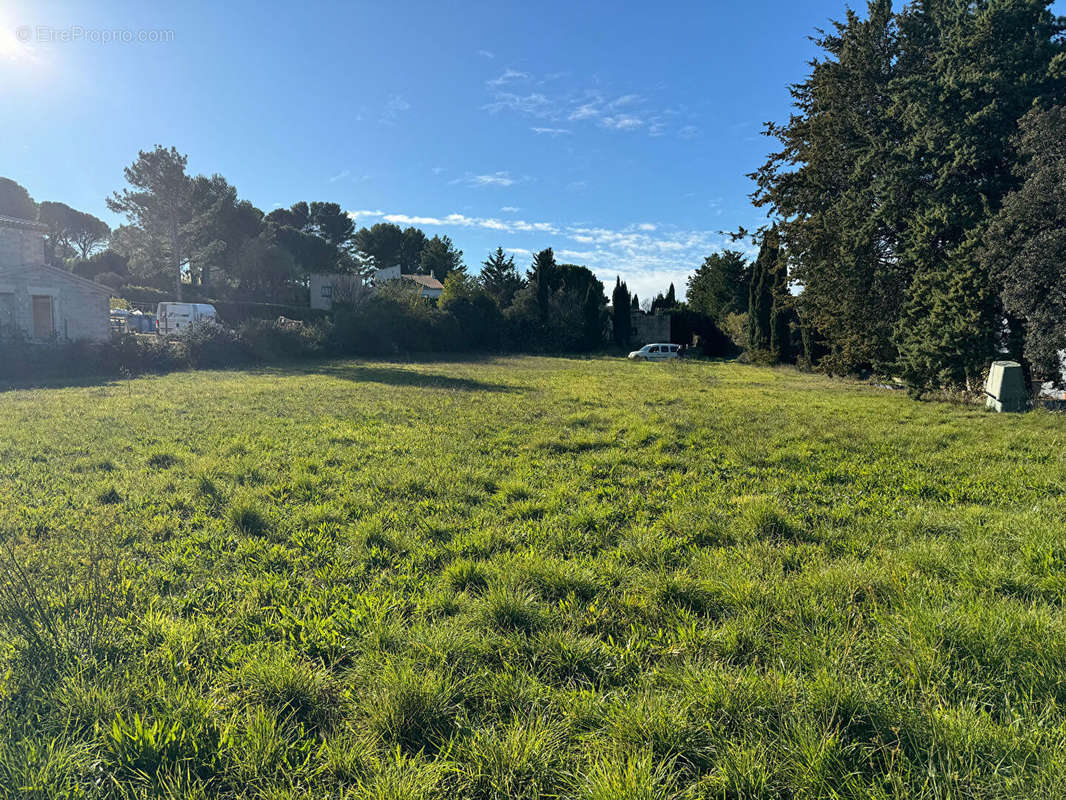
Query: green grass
(528, 578)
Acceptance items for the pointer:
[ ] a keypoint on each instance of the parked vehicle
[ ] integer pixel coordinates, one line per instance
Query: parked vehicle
(655, 352)
(173, 318)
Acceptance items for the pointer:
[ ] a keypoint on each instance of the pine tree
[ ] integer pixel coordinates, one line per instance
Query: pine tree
(500, 278)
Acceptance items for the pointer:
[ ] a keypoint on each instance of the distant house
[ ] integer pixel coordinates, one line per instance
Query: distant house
(649, 327)
(329, 289)
(428, 286)
(43, 302)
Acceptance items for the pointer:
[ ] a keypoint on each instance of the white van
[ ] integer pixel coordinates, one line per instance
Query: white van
(655, 352)
(174, 318)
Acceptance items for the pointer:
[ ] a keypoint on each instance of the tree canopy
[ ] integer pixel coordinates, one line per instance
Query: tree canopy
(897, 156)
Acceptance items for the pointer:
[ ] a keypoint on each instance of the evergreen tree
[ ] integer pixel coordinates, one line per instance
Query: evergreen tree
(440, 258)
(764, 307)
(620, 310)
(720, 286)
(500, 278)
(541, 277)
(15, 201)
(636, 302)
(973, 70)
(832, 184)
(897, 156)
(1025, 248)
(159, 203)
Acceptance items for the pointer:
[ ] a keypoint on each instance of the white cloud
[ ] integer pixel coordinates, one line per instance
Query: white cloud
(463, 221)
(585, 111)
(618, 112)
(688, 132)
(623, 122)
(535, 104)
(358, 215)
(493, 179)
(577, 186)
(508, 76)
(510, 209)
(551, 131)
(344, 173)
(396, 106)
(403, 219)
(624, 100)
(486, 54)
(645, 226)
(439, 170)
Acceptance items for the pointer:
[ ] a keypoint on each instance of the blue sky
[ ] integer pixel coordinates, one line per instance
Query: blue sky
(618, 133)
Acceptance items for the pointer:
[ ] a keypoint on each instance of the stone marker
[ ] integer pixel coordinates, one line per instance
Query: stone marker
(1006, 388)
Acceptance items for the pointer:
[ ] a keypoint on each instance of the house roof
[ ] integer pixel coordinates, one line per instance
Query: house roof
(17, 222)
(428, 281)
(55, 272)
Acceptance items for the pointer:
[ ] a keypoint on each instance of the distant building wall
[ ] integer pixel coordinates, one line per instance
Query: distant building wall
(21, 242)
(327, 289)
(649, 328)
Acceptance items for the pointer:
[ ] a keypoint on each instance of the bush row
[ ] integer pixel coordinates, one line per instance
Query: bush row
(382, 326)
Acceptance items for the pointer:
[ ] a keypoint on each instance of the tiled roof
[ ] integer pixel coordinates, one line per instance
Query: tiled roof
(427, 281)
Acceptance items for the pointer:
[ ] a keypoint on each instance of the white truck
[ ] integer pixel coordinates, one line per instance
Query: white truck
(173, 318)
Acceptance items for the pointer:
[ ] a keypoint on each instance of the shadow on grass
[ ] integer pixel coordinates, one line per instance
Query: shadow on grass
(393, 376)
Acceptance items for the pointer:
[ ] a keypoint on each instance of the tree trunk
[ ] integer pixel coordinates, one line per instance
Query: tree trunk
(176, 249)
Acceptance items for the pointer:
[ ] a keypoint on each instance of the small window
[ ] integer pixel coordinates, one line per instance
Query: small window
(653, 349)
(673, 348)
(327, 291)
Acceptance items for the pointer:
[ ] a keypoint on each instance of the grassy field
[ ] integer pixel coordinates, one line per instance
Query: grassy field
(528, 578)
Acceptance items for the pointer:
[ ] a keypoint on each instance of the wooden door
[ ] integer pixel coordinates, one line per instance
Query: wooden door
(43, 324)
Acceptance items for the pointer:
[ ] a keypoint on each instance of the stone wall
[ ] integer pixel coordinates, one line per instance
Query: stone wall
(649, 328)
(21, 242)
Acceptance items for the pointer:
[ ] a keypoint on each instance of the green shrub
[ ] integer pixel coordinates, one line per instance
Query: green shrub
(211, 345)
(269, 341)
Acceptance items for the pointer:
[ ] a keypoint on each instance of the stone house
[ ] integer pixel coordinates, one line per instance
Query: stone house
(328, 289)
(43, 302)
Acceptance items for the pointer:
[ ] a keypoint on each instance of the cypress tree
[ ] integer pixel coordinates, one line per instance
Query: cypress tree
(761, 316)
(542, 275)
(620, 310)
